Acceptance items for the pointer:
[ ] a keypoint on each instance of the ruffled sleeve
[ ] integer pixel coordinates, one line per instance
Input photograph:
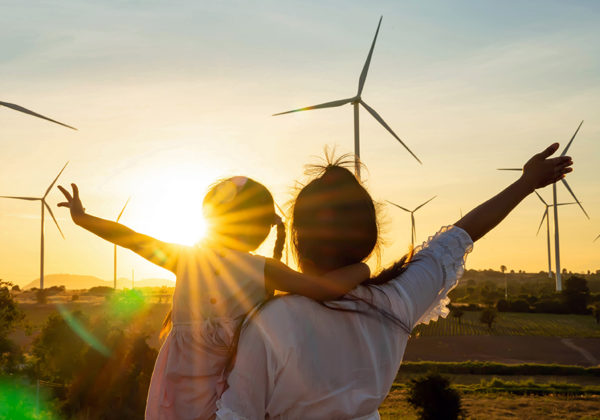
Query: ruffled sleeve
(448, 249)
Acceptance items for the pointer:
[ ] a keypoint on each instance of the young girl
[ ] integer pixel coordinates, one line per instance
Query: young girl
(218, 282)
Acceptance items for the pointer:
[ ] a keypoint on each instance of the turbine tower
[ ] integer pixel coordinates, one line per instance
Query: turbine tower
(44, 204)
(412, 218)
(115, 247)
(554, 196)
(547, 218)
(355, 101)
(35, 114)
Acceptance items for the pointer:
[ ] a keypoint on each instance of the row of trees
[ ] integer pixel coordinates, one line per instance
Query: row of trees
(93, 368)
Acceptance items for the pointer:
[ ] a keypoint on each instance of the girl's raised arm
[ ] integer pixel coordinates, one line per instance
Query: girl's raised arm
(279, 276)
(539, 171)
(161, 253)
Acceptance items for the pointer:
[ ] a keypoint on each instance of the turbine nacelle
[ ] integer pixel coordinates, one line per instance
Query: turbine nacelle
(355, 101)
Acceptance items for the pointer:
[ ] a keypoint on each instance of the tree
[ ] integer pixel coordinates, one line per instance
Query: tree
(457, 313)
(488, 316)
(10, 316)
(576, 295)
(433, 397)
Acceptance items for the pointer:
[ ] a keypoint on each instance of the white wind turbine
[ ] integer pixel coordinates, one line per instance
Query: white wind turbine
(115, 247)
(355, 101)
(547, 218)
(412, 218)
(35, 114)
(556, 236)
(44, 204)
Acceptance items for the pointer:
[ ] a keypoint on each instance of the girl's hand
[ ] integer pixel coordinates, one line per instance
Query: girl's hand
(73, 203)
(540, 171)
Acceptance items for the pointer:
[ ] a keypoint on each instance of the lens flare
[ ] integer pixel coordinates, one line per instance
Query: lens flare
(18, 401)
(81, 331)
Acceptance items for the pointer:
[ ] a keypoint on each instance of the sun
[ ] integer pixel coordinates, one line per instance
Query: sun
(172, 208)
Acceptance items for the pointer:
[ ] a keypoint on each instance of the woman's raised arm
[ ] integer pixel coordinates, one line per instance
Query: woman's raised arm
(539, 171)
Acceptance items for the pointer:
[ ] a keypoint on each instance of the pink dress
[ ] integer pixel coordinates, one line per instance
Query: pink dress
(215, 289)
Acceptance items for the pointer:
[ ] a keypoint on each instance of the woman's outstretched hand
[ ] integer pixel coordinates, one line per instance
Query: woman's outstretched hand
(73, 202)
(541, 170)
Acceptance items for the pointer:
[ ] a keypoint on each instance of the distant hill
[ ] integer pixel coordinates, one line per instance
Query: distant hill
(76, 282)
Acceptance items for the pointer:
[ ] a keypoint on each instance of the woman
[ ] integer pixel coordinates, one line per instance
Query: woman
(299, 359)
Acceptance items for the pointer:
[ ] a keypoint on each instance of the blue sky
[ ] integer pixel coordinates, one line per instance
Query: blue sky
(165, 91)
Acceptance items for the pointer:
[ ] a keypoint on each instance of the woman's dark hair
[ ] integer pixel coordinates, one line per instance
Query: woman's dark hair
(334, 220)
(334, 224)
(240, 213)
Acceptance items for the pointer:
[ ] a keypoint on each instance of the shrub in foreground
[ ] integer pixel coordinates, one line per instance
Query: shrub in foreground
(432, 396)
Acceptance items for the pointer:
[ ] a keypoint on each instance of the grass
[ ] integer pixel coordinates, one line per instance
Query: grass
(514, 324)
(492, 368)
(504, 406)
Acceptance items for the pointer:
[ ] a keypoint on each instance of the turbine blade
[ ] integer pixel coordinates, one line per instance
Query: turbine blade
(573, 195)
(540, 197)
(53, 218)
(331, 104)
(20, 198)
(564, 152)
(387, 127)
(122, 210)
(55, 179)
(365, 70)
(596, 238)
(35, 114)
(400, 207)
(565, 204)
(424, 203)
(510, 169)
(542, 222)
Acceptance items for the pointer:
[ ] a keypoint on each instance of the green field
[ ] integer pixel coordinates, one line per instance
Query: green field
(510, 323)
(504, 406)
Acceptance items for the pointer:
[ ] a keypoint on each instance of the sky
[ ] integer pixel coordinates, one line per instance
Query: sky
(170, 96)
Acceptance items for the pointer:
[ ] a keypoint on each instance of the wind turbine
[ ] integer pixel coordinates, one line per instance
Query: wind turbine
(547, 218)
(556, 235)
(412, 218)
(43, 202)
(115, 247)
(35, 114)
(355, 101)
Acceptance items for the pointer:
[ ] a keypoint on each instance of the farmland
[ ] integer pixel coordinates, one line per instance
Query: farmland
(514, 324)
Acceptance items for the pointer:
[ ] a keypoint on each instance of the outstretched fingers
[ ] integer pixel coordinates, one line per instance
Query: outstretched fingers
(549, 151)
(67, 196)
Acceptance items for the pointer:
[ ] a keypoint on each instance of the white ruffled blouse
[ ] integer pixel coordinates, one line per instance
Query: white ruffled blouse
(300, 360)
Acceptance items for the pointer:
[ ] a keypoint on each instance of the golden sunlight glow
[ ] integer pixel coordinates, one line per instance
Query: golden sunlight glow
(172, 204)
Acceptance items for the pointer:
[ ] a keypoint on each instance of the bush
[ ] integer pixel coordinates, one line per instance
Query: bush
(74, 298)
(502, 305)
(433, 398)
(550, 306)
(519, 306)
(100, 291)
(488, 316)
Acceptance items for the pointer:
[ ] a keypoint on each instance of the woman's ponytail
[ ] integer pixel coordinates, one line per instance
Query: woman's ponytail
(280, 241)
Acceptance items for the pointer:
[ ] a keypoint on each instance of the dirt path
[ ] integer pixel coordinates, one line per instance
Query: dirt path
(586, 354)
(511, 349)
